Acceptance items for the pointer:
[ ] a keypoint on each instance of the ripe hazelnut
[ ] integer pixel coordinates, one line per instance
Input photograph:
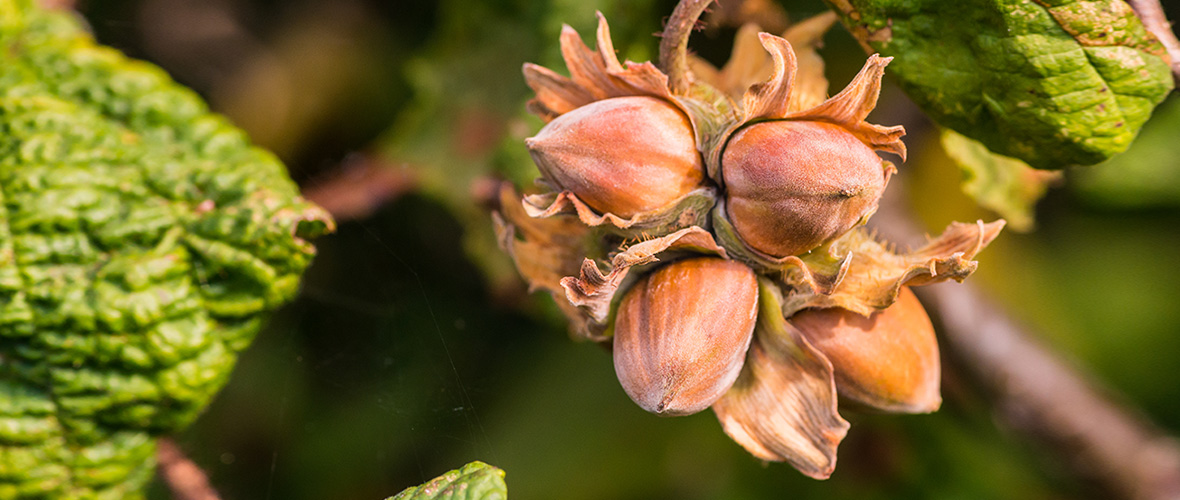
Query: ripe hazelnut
(793, 185)
(887, 361)
(624, 155)
(681, 334)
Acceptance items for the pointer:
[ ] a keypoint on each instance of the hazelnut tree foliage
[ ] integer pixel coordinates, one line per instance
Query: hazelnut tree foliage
(1054, 83)
(474, 481)
(143, 239)
(1046, 84)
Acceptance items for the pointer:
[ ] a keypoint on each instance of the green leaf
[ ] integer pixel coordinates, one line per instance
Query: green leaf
(39, 460)
(142, 242)
(999, 183)
(475, 481)
(1052, 82)
(1144, 176)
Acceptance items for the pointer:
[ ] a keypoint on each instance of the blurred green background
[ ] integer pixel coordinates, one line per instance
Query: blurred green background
(414, 348)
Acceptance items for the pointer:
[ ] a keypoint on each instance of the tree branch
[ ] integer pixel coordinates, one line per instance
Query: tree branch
(360, 187)
(674, 42)
(186, 480)
(1038, 394)
(1152, 15)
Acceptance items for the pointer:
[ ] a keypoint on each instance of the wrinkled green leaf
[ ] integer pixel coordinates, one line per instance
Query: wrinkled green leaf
(1147, 175)
(1052, 82)
(999, 183)
(142, 241)
(475, 481)
(39, 460)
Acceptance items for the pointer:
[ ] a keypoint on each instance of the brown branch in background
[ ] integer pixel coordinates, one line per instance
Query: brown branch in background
(768, 15)
(1152, 15)
(1037, 393)
(674, 42)
(57, 4)
(359, 187)
(183, 477)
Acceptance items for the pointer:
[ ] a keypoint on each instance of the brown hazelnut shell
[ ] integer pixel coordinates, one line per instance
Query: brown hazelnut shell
(793, 185)
(681, 334)
(888, 360)
(624, 155)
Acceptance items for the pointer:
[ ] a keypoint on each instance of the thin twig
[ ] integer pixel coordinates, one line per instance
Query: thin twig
(674, 44)
(58, 4)
(1037, 393)
(768, 15)
(186, 480)
(1152, 15)
(360, 186)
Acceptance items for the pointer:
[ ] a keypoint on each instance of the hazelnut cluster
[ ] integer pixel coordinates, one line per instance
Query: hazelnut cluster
(714, 238)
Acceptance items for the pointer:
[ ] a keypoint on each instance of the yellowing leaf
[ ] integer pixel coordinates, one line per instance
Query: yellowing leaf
(999, 183)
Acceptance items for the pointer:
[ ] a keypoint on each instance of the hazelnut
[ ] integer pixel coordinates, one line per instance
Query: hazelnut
(888, 361)
(681, 334)
(624, 155)
(793, 185)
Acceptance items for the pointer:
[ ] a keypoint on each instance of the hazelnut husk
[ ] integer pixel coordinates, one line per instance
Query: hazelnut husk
(624, 155)
(794, 185)
(681, 334)
(887, 361)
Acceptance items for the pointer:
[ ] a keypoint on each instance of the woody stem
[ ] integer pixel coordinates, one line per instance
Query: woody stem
(184, 477)
(674, 42)
(1151, 13)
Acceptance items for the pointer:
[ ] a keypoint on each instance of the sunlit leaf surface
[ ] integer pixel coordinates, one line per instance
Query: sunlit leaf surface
(142, 241)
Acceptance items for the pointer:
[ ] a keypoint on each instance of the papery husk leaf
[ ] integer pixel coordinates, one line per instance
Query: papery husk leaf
(769, 99)
(556, 94)
(811, 87)
(692, 209)
(544, 250)
(775, 99)
(747, 64)
(750, 64)
(876, 273)
(594, 75)
(852, 105)
(783, 405)
(594, 292)
(703, 71)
